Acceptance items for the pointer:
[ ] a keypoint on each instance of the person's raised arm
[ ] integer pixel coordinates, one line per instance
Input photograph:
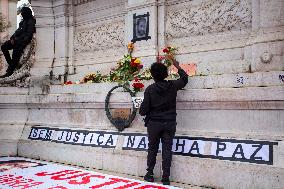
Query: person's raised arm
(183, 80)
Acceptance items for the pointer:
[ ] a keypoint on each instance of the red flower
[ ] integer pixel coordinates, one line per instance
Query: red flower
(160, 58)
(132, 64)
(68, 83)
(136, 79)
(166, 50)
(138, 85)
(140, 66)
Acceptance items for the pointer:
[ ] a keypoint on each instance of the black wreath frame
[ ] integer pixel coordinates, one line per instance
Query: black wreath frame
(119, 123)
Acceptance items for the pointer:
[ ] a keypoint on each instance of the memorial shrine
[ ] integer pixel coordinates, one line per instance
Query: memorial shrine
(74, 97)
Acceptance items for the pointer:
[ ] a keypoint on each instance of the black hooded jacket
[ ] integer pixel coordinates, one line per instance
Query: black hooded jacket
(159, 102)
(24, 34)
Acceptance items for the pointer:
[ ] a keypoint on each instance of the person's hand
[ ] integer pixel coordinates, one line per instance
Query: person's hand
(176, 64)
(12, 41)
(174, 61)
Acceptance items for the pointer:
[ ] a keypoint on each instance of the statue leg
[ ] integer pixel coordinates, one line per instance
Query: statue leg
(5, 49)
(17, 52)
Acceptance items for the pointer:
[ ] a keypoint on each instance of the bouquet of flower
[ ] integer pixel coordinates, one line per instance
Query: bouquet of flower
(169, 53)
(145, 75)
(127, 68)
(94, 78)
(137, 85)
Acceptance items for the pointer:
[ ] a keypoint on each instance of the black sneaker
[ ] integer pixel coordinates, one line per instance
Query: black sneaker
(149, 177)
(166, 181)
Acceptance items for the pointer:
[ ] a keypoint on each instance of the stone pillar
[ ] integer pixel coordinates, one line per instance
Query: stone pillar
(12, 16)
(63, 12)
(54, 37)
(45, 51)
(268, 34)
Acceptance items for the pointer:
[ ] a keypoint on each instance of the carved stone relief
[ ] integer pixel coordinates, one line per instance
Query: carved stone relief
(100, 37)
(208, 17)
(78, 2)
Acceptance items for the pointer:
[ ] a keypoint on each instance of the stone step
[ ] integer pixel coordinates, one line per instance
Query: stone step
(257, 79)
(220, 80)
(90, 93)
(8, 147)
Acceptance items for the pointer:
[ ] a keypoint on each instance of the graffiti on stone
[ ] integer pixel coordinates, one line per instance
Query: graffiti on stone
(240, 80)
(281, 78)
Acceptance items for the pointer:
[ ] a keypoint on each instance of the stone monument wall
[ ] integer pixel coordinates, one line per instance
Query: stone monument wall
(230, 115)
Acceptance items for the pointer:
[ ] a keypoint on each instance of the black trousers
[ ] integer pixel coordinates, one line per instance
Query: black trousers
(164, 131)
(17, 52)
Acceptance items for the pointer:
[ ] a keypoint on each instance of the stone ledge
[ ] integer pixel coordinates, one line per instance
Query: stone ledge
(8, 147)
(257, 79)
(97, 93)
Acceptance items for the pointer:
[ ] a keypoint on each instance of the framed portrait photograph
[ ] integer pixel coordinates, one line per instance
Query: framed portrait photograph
(141, 27)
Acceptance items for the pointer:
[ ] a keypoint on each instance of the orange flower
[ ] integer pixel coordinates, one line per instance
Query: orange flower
(130, 46)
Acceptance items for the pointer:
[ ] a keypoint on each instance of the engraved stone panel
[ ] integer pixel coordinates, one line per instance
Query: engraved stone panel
(99, 37)
(208, 17)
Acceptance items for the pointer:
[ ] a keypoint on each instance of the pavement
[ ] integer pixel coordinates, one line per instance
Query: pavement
(22, 173)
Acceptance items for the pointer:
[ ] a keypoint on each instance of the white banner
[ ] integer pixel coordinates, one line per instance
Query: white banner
(251, 151)
(22, 173)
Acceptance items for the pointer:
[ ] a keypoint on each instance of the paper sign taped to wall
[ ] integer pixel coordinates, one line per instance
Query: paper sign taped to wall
(190, 69)
(137, 101)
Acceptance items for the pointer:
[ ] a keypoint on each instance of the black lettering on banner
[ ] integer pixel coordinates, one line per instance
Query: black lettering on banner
(41, 132)
(98, 140)
(61, 137)
(258, 147)
(178, 145)
(142, 143)
(109, 141)
(194, 147)
(239, 150)
(76, 138)
(68, 136)
(92, 135)
(220, 147)
(34, 132)
(48, 135)
(130, 141)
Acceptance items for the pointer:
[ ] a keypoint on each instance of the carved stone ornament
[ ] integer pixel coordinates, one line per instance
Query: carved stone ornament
(100, 37)
(266, 57)
(20, 77)
(208, 17)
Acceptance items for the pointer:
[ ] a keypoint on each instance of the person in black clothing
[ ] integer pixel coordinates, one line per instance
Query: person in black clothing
(159, 107)
(19, 40)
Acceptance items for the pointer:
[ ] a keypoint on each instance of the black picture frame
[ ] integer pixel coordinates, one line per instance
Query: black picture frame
(141, 27)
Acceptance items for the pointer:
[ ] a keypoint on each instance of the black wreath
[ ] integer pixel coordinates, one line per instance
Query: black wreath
(120, 123)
